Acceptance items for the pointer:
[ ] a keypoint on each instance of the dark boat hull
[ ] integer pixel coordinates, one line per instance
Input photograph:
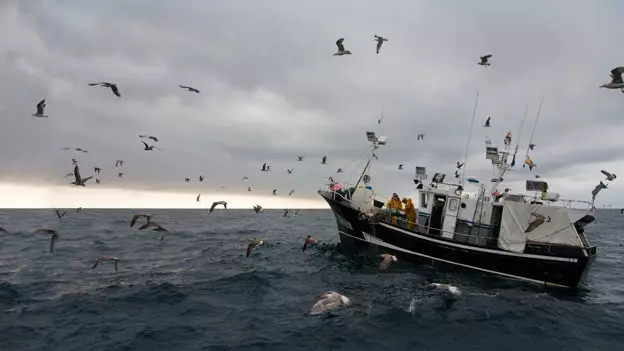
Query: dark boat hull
(357, 233)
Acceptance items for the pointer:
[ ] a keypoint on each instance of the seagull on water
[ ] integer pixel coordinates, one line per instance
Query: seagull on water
(217, 203)
(379, 41)
(112, 86)
(448, 287)
(149, 147)
(252, 244)
(155, 227)
(53, 239)
(616, 79)
(111, 259)
(149, 137)
(258, 209)
(329, 301)
(191, 89)
(2, 230)
(610, 176)
(285, 213)
(341, 50)
(386, 261)
(487, 122)
(310, 240)
(484, 60)
(140, 215)
(78, 180)
(40, 107)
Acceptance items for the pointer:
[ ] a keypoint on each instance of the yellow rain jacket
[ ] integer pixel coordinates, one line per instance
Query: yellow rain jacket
(410, 214)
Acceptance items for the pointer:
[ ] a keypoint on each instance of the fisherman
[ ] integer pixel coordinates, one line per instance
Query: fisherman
(410, 213)
(394, 206)
(508, 138)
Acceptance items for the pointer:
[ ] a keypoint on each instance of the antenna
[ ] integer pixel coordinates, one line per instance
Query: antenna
(539, 109)
(474, 112)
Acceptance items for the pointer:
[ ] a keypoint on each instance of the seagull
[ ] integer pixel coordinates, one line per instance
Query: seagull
(40, 107)
(300, 158)
(379, 41)
(386, 261)
(191, 89)
(296, 212)
(456, 173)
(539, 219)
(258, 208)
(216, 203)
(291, 192)
(531, 146)
(198, 196)
(268, 168)
(274, 191)
(244, 178)
(52, 232)
(149, 137)
(420, 136)
(610, 176)
(341, 50)
(401, 166)
(537, 176)
(324, 160)
(187, 180)
(149, 147)
(97, 180)
(68, 175)
(111, 259)
(597, 189)
(290, 170)
(285, 213)
(2, 230)
(120, 175)
(59, 214)
(156, 227)
(75, 162)
(380, 119)
(248, 188)
(616, 79)
(77, 179)
(308, 241)
(119, 163)
(97, 170)
(329, 301)
(459, 165)
(252, 244)
(140, 215)
(487, 122)
(339, 170)
(112, 86)
(450, 288)
(484, 60)
(201, 178)
(264, 167)
(81, 150)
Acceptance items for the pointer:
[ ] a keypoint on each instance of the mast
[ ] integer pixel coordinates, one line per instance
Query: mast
(474, 112)
(539, 109)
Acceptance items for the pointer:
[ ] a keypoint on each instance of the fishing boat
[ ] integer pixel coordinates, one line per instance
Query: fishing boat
(534, 236)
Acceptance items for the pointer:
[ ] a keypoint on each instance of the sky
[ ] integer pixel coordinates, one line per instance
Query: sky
(271, 91)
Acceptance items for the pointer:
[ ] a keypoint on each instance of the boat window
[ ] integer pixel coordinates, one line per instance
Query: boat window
(424, 200)
(452, 206)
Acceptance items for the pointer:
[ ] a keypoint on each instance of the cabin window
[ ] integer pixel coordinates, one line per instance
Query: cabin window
(424, 200)
(453, 204)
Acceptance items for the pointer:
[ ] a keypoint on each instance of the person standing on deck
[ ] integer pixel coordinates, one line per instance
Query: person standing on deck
(410, 214)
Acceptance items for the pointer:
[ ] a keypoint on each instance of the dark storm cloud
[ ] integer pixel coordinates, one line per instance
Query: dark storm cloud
(271, 89)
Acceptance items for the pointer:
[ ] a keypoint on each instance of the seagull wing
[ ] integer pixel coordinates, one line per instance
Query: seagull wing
(86, 179)
(93, 84)
(184, 87)
(115, 90)
(53, 242)
(77, 175)
(40, 106)
(607, 174)
(616, 74)
(146, 146)
(339, 44)
(96, 263)
(214, 204)
(135, 218)
(385, 263)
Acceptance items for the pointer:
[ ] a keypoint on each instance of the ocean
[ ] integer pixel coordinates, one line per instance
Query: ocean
(196, 290)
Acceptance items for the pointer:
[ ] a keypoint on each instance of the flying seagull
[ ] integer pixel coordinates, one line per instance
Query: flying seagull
(616, 79)
(539, 219)
(111, 259)
(487, 122)
(97, 180)
(59, 214)
(386, 261)
(341, 50)
(75, 162)
(308, 241)
(149, 147)
(537, 176)
(610, 176)
(401, 166)
(258, 208)
(187, 180)
(285, 213)
(198, 196)
(324, 160)
(201, 178)
(531, 146)
(78, 180)
(484, 60)
(216, 203)
(248, 188)
(53, 239)
(40, 107)
(119, 163)
(300, 158)
(252, 244)
(189, 88)
(244, 178)
(149, 137)
(120, 174)
(456, 173)
(97, 170)
(155, 227)
(291, 192)
(137, 216)
(379, 41)
(290, 170)
(112, 86)
(459, 165)
(264, 167)
(420, 136)
(274, 191)
(597, 189)
(339, 170)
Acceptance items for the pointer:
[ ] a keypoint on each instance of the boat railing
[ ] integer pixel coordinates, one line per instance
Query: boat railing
(335, 195)
(566, 203)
